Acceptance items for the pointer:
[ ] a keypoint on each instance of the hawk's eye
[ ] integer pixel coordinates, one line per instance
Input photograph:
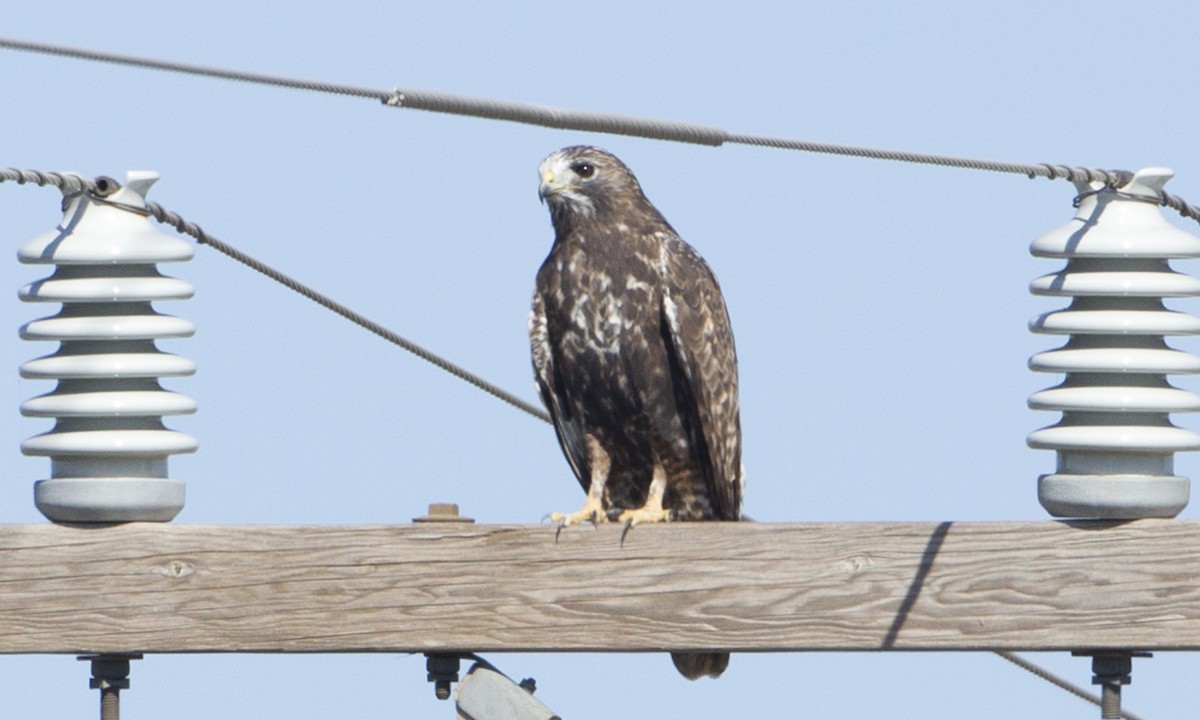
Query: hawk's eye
(584, 170)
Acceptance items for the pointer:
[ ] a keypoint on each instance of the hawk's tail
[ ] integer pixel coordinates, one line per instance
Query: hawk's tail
(694, 666)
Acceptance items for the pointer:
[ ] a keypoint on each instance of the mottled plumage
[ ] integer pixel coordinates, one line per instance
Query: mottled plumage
(634, 358)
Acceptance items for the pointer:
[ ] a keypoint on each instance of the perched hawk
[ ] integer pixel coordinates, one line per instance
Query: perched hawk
(634, 359)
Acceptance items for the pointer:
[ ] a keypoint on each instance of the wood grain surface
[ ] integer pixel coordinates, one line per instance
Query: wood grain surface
(731, 586)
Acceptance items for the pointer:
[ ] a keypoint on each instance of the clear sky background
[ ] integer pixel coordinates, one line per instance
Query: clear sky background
(880, 308)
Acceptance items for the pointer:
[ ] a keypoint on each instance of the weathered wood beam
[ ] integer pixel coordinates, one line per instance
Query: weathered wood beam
(732, 586)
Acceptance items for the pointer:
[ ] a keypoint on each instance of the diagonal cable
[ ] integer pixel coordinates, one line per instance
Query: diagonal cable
(1053, 679)
(564, 119)
(173, 219)
(74, 183)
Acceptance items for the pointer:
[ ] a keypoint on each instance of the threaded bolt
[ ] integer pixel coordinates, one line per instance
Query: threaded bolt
(1110, 701)
(110, 675)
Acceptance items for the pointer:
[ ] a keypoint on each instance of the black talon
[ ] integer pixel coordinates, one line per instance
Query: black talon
(625, 531)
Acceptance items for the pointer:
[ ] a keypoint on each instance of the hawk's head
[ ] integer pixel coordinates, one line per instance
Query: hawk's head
(582, 180)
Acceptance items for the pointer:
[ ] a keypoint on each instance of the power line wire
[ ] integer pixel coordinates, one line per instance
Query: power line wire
(132, 60)
(67, 182)
(587, 121)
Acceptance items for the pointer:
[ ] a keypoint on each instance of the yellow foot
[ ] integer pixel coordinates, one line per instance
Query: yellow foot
(592, 512)
(587, 514)
(642, 515)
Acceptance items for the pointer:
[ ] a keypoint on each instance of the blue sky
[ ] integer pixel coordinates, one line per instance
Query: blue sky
(880, 308)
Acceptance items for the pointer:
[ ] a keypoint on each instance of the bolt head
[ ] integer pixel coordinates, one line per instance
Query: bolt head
(443, 512)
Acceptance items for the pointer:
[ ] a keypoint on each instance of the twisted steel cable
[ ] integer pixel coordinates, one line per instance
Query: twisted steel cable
(563, 119)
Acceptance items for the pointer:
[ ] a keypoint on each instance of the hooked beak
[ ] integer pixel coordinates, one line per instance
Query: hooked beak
(548, 186)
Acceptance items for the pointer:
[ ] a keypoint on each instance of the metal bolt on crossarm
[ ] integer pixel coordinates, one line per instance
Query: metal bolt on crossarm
(1110, 670)
(442, 668)
(110, 675)
(443, 512)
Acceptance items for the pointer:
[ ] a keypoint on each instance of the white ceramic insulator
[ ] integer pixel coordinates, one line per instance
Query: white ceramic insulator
(1115, 441)
(108, 449)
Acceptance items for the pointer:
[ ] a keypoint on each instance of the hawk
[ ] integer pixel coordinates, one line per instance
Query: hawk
(634, 359)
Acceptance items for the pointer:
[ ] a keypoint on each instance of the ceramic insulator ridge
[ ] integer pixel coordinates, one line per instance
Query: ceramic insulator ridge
(1115, 442)
(108, 448)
